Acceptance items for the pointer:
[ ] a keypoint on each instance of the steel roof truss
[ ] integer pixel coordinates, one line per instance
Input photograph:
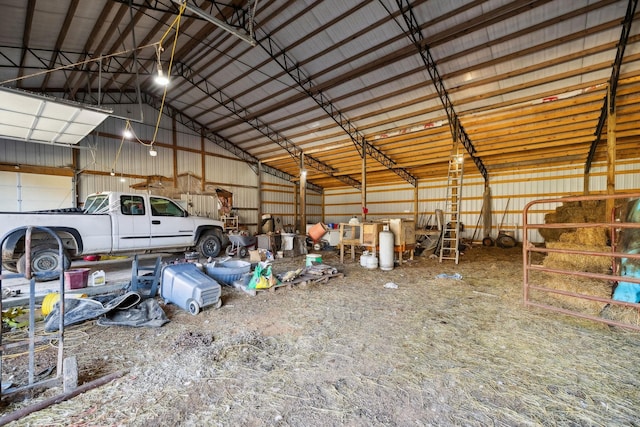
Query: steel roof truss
(280, 56)
(457, 130)
(230, 104)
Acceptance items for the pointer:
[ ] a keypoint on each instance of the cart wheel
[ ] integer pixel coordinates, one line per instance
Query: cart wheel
(219, 303)
(243, 252)
(194, 308)
(487, 241)
(229, 251)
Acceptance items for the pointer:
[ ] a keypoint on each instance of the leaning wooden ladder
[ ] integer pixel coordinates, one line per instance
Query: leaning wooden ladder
(450, 236)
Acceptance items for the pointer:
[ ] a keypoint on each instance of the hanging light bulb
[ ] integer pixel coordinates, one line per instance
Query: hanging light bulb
(113, 172)
(127, 133)
(152, 151)
(161, 79)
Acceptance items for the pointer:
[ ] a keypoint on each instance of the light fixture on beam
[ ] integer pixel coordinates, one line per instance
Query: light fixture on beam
(113, 172)
(127, 131)
(160, 78)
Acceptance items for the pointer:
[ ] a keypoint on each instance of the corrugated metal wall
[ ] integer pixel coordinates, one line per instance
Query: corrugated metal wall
(510, 193)
(179, 165)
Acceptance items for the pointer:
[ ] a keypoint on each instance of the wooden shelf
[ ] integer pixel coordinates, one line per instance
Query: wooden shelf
(230, 222)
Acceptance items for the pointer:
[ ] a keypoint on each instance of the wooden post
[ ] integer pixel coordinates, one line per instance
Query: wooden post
(415, 205)
(203, 162)
(363, 188)
(259, 223)
(611, 152)
(303, 196)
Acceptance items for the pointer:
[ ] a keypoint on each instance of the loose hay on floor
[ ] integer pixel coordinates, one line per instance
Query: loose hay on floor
(352, 352)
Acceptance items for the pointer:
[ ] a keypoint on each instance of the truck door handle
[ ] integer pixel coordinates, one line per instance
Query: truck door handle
(155, 221)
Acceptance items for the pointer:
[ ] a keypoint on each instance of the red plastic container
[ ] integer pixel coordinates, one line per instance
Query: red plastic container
(317, 231)
(76, 278)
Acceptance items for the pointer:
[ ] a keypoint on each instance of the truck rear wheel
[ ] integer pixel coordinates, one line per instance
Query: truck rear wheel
(209, 245)
(44, 261)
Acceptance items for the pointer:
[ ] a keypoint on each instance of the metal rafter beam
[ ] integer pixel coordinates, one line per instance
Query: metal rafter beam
(65, 59)
(198, 128)
(290, 66)
(607, 107)
(237, 21)
(414, 32)
(230, 104)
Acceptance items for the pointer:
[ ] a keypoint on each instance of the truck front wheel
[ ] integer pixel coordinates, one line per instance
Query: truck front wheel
(12, 266)
(44, 261)
(209, 245)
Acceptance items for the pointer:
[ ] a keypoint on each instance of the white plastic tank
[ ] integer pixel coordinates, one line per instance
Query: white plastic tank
(372, 262)
(386, 240)
(363, 258)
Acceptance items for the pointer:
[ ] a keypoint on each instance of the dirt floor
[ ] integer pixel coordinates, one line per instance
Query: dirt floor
(354, 352)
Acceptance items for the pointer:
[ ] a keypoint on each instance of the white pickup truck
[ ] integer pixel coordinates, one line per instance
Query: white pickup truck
(109, 223)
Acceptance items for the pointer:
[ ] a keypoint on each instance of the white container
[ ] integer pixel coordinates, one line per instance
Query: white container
(97, 278)
(372, 262)
(386, 239)
(287, 241)
(363, 258)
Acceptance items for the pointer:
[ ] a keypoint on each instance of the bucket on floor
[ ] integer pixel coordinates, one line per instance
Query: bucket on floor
(76, 278)
(317, 231)
(287, 241)
(311, 258)
(97, 278)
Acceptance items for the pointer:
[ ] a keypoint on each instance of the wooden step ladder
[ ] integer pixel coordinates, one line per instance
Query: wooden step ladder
(450, 236)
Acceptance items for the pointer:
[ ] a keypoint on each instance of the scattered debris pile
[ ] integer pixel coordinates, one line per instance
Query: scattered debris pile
(315, 273)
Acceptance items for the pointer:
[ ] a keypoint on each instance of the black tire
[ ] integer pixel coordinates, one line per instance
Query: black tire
(243, 251)
(505, 241)
(230, 251)
(194, 308)
(11, 266)
(209, 245)
(44, 263)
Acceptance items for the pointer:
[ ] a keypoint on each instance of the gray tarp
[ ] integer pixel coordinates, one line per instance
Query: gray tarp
(124, 310)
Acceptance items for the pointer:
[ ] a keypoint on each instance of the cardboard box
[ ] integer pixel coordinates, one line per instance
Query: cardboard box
(257, 255)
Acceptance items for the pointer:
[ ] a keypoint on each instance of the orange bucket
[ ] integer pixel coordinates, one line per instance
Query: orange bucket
(317, 231)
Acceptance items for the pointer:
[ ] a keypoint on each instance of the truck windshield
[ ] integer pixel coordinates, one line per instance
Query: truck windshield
(97, 204)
